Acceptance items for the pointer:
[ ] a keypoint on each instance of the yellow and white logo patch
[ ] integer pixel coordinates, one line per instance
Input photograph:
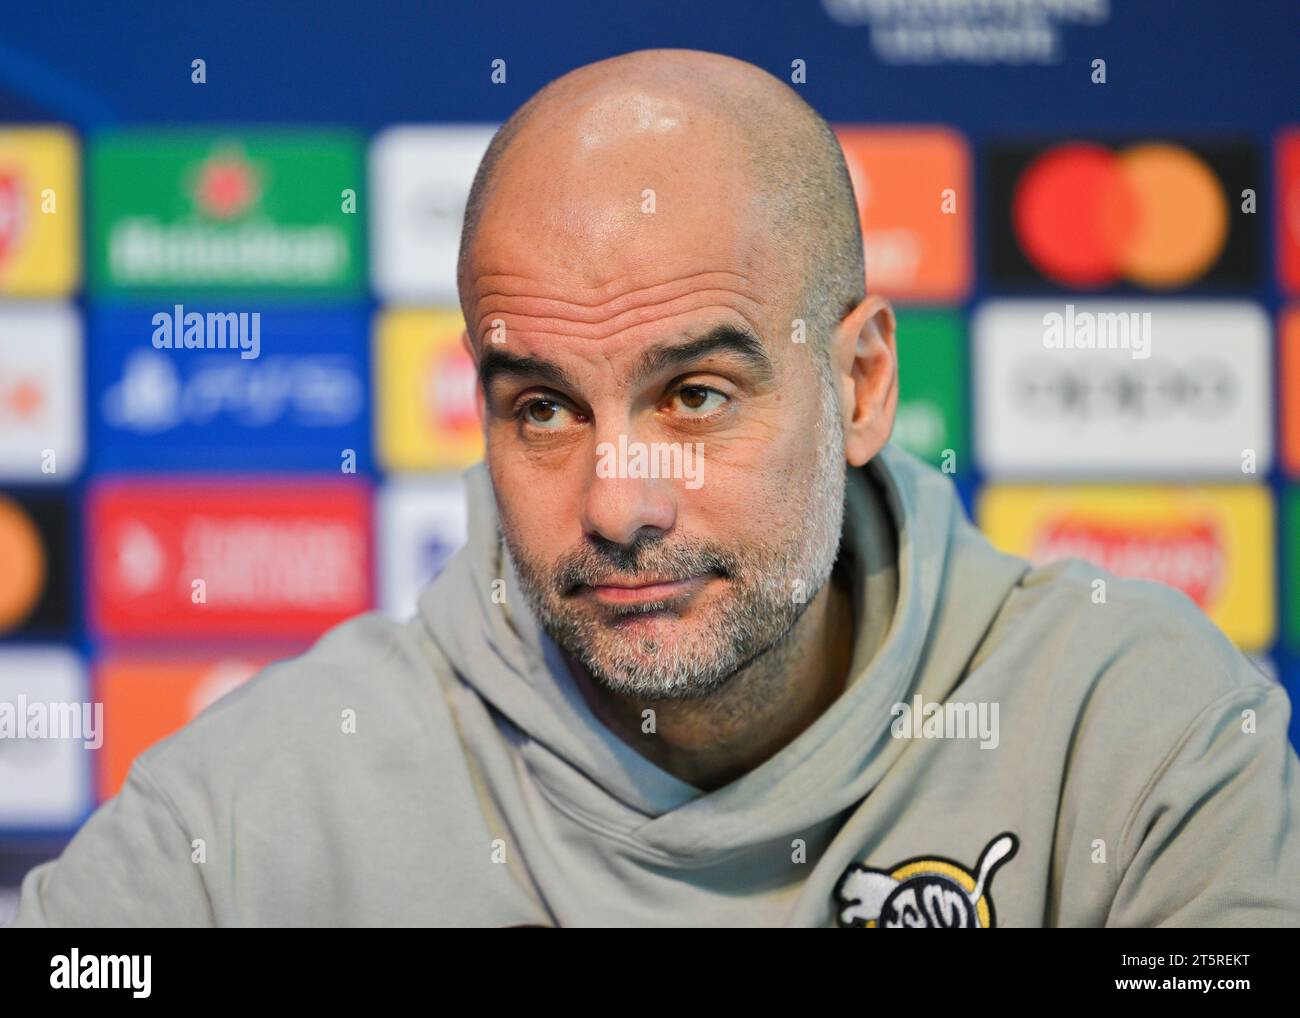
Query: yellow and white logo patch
(926, 891)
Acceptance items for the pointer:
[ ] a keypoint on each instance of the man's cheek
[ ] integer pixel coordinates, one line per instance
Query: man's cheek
(536, 525)
(743, 494)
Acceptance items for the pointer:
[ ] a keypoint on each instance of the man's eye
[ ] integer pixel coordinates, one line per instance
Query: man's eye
(699, 400)
(543, 413)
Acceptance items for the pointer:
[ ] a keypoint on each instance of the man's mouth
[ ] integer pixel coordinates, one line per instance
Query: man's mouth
(627, 592)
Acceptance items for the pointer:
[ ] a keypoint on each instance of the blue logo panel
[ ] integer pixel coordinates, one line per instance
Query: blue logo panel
(229, 387)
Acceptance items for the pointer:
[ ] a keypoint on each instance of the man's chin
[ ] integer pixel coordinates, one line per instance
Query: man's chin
(652, 678)
(652, 654)
(648, 619)
(658, 628)
(678, 648)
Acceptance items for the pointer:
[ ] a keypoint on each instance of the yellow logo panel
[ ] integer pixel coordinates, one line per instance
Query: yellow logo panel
(427, 416)
(40, 212)
(1214, 543)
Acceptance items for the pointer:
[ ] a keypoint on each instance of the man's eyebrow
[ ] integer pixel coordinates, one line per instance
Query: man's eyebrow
(494, 363)
(726, 338)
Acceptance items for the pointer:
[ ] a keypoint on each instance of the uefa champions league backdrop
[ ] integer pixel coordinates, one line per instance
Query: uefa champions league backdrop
(229, 328)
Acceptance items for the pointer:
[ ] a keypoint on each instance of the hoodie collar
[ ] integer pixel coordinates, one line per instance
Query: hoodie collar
(900, 519)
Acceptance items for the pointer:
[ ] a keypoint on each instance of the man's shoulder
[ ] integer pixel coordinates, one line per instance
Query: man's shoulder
(1113, 644)
(368, 672)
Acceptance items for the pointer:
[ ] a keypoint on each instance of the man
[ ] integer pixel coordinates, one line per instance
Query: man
(715, 653)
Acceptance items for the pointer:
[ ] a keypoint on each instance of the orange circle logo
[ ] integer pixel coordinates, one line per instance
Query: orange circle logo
(23, 578)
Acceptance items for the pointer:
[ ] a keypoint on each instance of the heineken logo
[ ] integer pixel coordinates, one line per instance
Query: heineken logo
(251, 213)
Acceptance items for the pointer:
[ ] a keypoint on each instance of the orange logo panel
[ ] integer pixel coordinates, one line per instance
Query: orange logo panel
(1289, 367)
(147, 699)
(915, 201)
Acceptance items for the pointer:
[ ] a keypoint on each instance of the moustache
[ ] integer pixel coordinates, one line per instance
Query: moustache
(597, 564)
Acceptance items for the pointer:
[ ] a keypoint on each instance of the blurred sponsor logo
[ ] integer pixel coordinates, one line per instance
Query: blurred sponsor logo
(148, 697)
(422, 524)
(1288, 210)
(22, 551)
(14, 213)
(917, 244)
(1291, 567)
(202, 212)
(35, 561)
(41, 426)
(40, 212)
(968, 31)
(420, 179)
(242, 558)
(1289, 369)
(44, 783)
(1187, 554)
(931, 413)
(299, 406)
(1192, 408)
(427, 403)
(1215, 544)
(1155, 214)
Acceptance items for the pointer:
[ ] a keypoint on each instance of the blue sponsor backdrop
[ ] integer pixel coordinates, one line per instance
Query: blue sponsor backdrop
(1211, 65)
(300, 404)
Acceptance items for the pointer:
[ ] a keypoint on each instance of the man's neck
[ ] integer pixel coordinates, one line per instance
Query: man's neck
(763, 708)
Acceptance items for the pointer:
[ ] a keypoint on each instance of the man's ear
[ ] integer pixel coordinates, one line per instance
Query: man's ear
(480, 400)
(865, 359)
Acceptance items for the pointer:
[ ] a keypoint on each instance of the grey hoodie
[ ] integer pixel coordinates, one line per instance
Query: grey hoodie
(1072, 760)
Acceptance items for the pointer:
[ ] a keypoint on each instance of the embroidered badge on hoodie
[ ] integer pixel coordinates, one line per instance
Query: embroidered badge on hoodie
(925, 891)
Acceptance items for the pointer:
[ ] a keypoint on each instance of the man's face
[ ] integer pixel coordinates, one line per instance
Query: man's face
(667, 457)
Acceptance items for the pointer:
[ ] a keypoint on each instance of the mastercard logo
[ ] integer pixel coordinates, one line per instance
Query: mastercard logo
(1153, 214)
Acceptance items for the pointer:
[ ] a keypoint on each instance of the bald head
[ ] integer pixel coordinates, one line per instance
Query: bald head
(760, 158)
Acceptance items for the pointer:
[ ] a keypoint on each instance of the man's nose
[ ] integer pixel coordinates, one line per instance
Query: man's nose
(618, 506)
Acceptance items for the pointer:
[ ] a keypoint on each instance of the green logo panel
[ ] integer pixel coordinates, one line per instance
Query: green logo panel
(932, 410)
(248, 212)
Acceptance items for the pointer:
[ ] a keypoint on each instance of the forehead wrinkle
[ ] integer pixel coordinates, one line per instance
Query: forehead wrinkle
(544, 308)
(628, 295)
(625, 321)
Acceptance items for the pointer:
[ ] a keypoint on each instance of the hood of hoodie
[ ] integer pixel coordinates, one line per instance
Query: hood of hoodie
(926, 589)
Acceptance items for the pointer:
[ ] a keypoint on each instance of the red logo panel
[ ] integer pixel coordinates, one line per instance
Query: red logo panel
(234, 558)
